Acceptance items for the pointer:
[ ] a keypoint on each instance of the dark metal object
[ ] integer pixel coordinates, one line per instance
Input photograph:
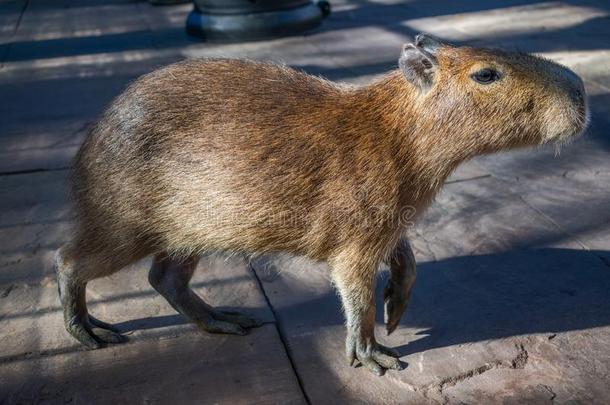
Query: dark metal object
(167, 2)
(240, 20)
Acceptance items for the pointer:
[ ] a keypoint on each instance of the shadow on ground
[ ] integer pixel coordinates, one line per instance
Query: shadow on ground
(474, 298)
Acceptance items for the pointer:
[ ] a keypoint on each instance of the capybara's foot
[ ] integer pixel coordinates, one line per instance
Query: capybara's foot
(171, 276)
(375, 357)
(92, 332)
(236, 317)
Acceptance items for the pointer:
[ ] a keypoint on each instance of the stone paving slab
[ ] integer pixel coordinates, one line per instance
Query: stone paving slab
(49, 119)
(481, 216)
(49, 115)
(550, 358)
(532, 26)
(34, 222)
(468, 316)
(474, 308)
(33, 323)
(189, 369)
(576, 205)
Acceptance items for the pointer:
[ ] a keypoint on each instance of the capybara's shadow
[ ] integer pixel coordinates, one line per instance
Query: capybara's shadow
(480, 297)
(474, 298)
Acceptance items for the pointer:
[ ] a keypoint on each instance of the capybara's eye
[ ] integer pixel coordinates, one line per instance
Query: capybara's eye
(485, 76)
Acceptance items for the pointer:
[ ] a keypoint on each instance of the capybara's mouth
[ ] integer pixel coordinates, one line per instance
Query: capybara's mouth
(569, 135)
(575, 124)
(580, 122)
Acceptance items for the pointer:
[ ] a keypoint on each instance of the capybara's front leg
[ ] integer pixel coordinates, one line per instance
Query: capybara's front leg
(355, 280)
(397, 291)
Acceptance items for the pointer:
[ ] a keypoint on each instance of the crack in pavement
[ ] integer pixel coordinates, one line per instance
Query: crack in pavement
(427, 244)
(9, 45)
(516, 363)
(37, 170)
(550, 390)
(603, 259)
(281, 334)
(554, 223)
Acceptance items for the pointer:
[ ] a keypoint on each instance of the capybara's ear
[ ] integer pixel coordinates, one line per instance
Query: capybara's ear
(428, 43)
(418, 66)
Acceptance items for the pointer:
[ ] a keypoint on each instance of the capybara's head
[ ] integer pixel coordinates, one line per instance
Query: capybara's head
(487, 100)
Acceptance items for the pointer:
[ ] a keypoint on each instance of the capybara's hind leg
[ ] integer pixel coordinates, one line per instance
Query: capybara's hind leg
(171, 276)
(72, 277)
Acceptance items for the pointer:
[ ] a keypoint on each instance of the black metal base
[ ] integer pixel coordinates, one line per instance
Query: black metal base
(260, 25)
(167, 2)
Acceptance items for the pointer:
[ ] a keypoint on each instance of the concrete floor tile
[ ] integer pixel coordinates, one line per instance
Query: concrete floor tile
(190, 369)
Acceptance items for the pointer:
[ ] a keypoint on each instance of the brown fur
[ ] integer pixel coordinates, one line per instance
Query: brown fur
(243, 156)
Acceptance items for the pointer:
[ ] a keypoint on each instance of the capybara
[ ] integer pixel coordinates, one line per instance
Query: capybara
(226, 155)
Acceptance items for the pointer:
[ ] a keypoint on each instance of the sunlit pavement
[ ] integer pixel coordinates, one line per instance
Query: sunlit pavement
(512, 302)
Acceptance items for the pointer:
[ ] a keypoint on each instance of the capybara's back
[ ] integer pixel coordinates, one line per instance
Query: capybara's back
(214, 155)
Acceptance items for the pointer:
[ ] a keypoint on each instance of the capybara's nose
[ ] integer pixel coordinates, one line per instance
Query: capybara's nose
(575, 87)
(579, 97)
(579, 93)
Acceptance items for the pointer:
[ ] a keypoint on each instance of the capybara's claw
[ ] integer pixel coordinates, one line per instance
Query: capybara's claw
(216, 326)
(395, 303)
(79, 330)
(376, 359)
(104, 332)
(93, 333)
(236, 317)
